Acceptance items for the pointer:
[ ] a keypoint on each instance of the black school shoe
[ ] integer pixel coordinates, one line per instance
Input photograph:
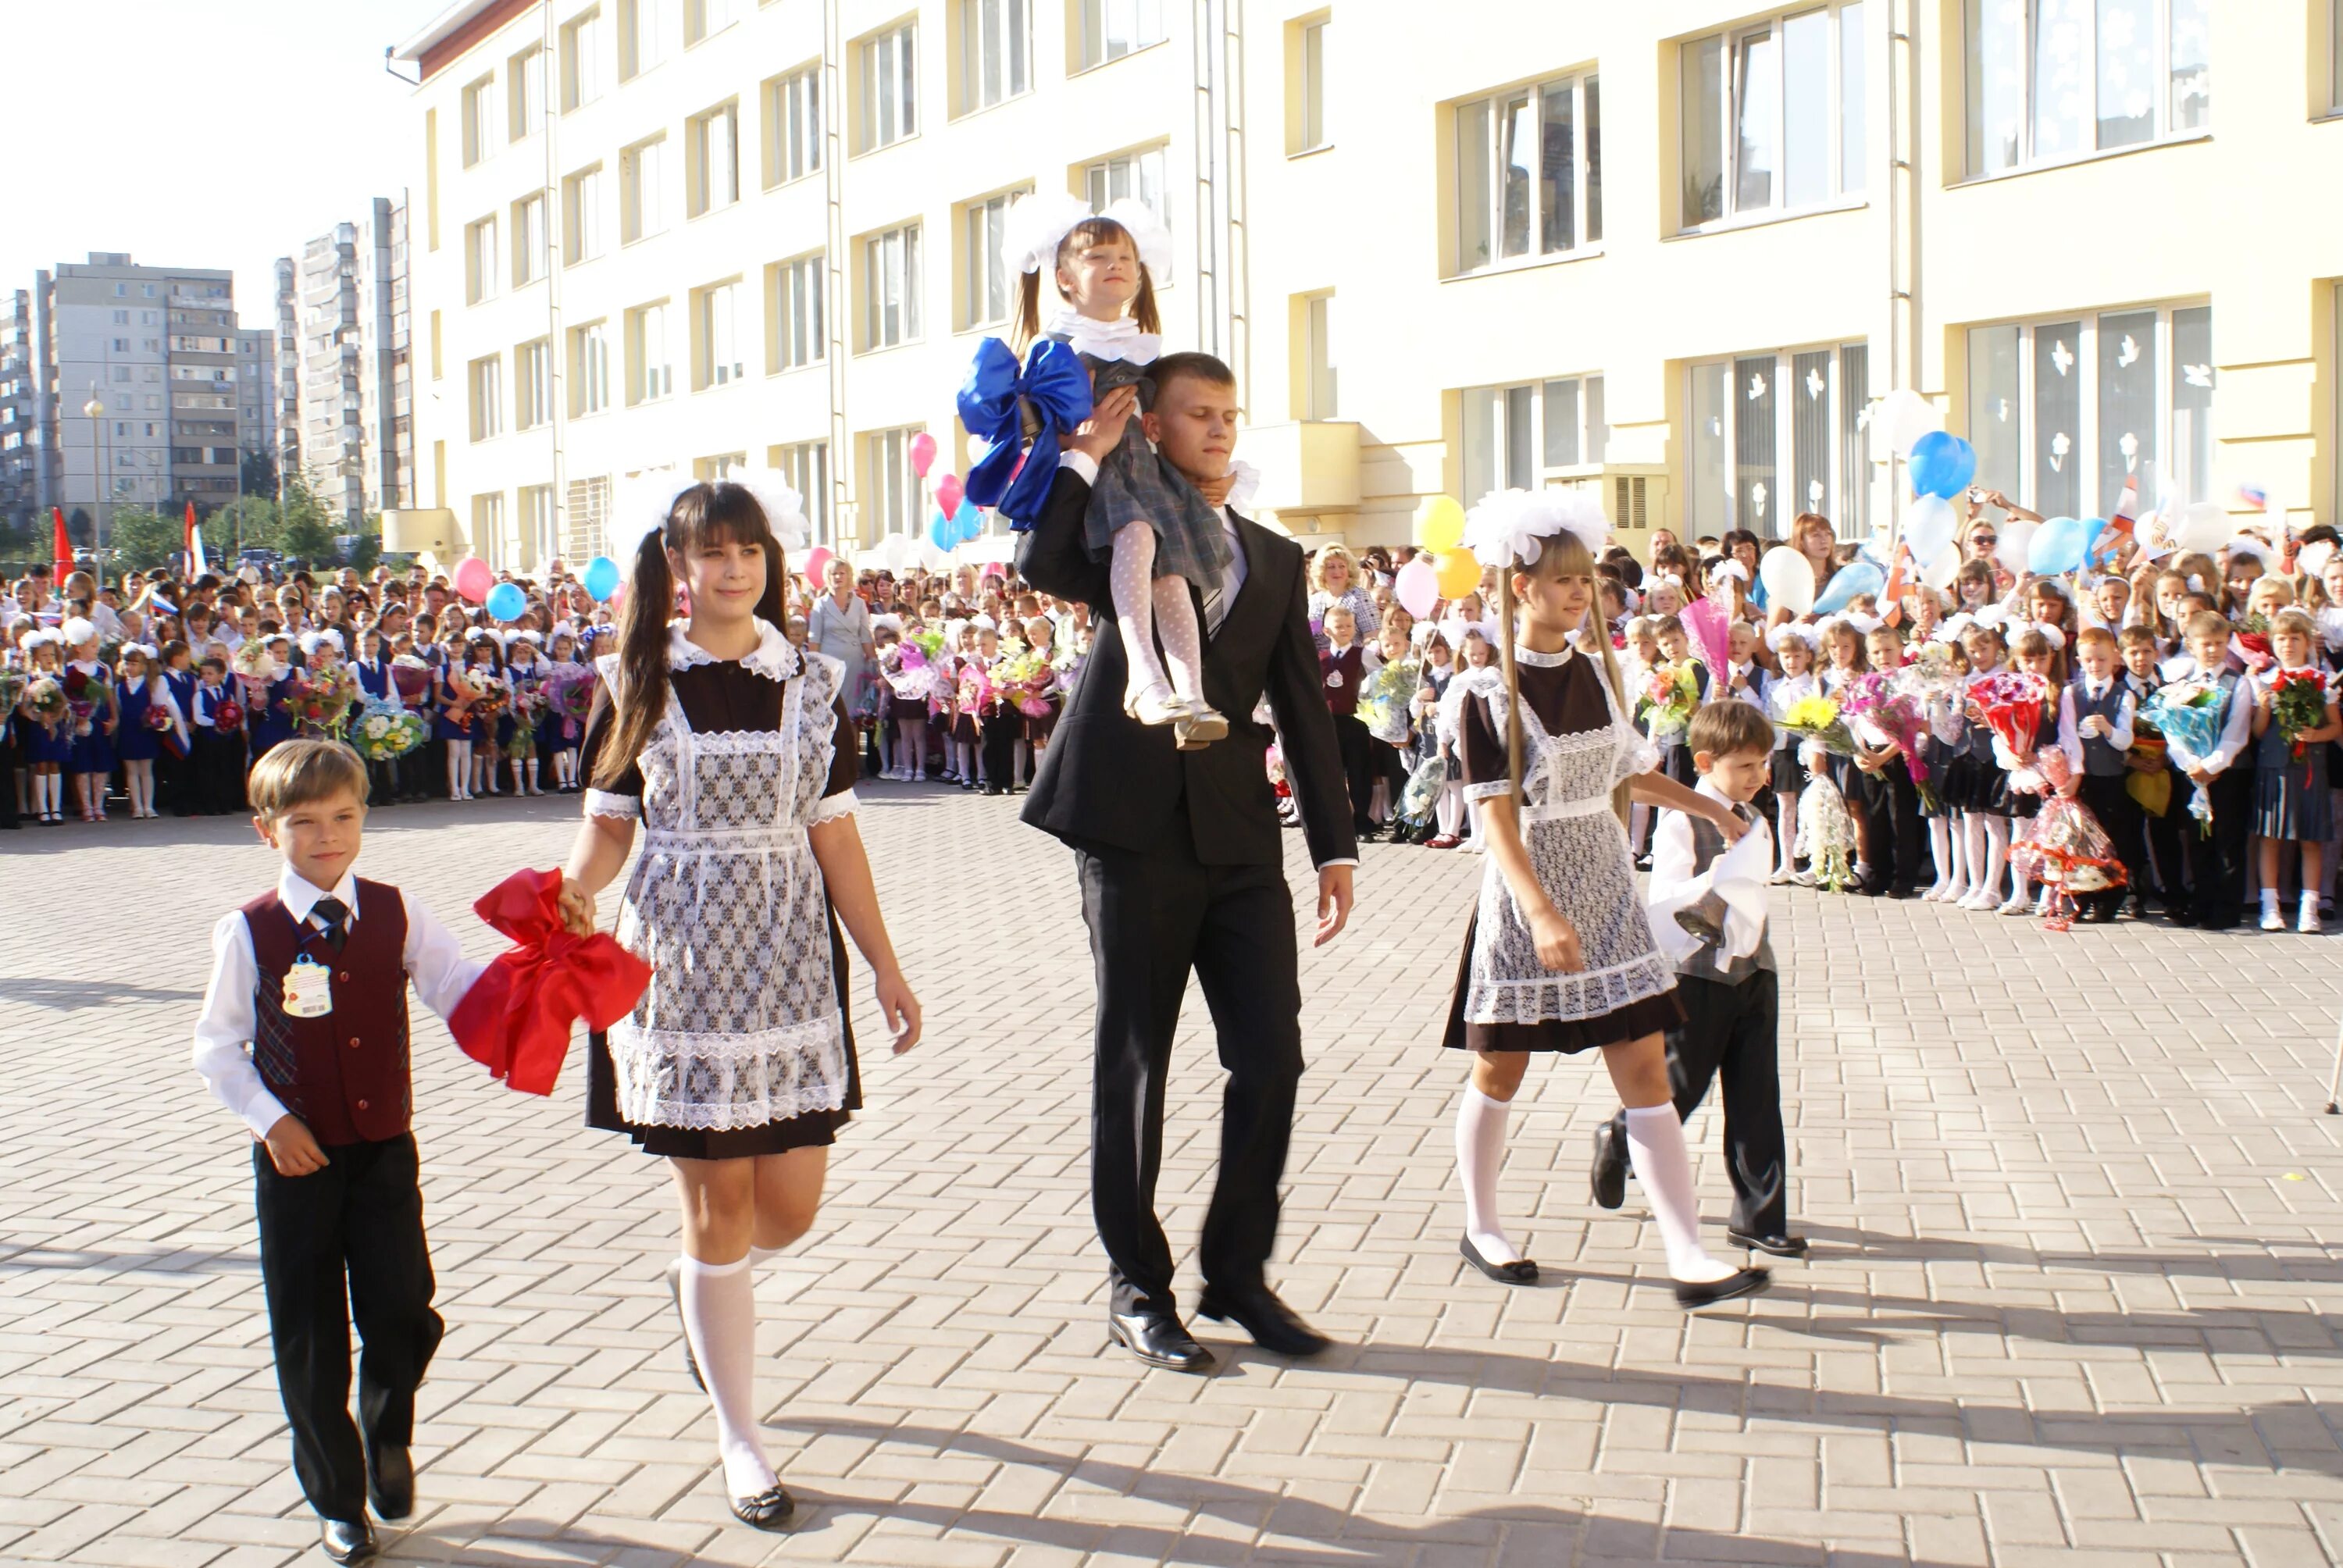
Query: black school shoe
(1773, 1243)
(348, 1540)
(1746, 1282)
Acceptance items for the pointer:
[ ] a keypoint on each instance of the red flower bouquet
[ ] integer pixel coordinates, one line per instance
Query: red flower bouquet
(2011, 701)
(2298, 705)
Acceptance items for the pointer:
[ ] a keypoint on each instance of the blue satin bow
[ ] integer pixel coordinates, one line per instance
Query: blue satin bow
(1057, 386)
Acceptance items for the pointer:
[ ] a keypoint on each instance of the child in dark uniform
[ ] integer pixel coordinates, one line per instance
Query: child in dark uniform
(1342, 670)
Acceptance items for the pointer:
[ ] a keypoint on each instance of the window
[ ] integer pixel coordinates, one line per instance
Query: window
(1311, 74)
(1319, 386)
(1138, 176)
(792, 126)
(525, 91)
(532, 385)
(538, 539)
(1515, 437)
(531, 260)
(650, 372)
(892, 503)
(890, 287)
(642, 181)
(1773, 116)
(996, 49)
(716, 324)
(480, 261)
(480, 124)
(589, 368)
(582, 60)
(805, 466)
(2049, 80)
(703, 18)
(488, 383)
(488, 526)
(991, 294)
(1528, 183)
(2065, 413)
(644, 28)
(795, 311)
(1754, 464)
(1114, 28)
(889, 101)
(582, 216)
(715, 152)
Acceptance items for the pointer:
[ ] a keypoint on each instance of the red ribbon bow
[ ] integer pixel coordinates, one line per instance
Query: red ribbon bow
(516, 1019)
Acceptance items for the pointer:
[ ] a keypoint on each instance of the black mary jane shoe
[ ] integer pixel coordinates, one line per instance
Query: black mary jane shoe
(1520, 1271)
(1609, 1176)
(1273, 1325)
(1746, 1282)
(1777, 1244)
(769, 1510)
(348, 1540)
(1158, 1340)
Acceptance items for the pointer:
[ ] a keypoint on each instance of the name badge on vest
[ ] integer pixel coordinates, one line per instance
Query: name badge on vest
(309, 988)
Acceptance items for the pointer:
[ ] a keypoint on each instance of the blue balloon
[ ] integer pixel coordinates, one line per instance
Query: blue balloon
(1942, 465)
(2057, 546)
(970, 518)
(507, 602)
(1855, 578)
(601, 578)
(941, 532)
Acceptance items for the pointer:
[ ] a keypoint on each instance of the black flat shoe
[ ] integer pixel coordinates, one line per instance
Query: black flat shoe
(1747, 1283)
(1158, 1340)
(348, 1540)
(1779, 1245)
(1610, 1175)
(769, 1510)
(674, 1290)
(390, 1482)
(1271, 1323)
(1521, 1272)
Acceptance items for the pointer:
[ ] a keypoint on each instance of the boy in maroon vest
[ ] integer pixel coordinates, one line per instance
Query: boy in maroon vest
(312, 978)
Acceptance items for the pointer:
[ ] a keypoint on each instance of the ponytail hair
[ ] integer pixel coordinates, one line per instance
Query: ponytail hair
(1089, 232)
(712, 512)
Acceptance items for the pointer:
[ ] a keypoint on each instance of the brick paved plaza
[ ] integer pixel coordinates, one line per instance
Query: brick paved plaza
(2072, 1298)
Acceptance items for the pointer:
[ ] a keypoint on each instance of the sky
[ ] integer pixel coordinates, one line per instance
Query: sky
(199, 133)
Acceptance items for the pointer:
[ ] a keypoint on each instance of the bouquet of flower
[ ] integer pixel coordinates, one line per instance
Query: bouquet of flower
(1275, 762)
(2252, 636)
(1384, 698)
(931, 644)
(1826, 834)
(410, 677)
(12, 690)
(2297, 704)
(1932, 673)
(570, 693)
(81, 701)
(2149, 780)
(915, 678)
(227, 716)
(2066, 851)
(1669, 694)
(158, 718)
(1423, 792)
(2011, 701)
(1024, 679)
(46, 697)
(975, 687)
(528, 707)
(1877, 699)
(1817, 718)
(2191, 712)
(486, 690)
(252, 662)
(385, 732)
(322, 699)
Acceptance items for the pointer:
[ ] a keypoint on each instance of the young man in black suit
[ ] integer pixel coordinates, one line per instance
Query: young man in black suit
(1180, 866)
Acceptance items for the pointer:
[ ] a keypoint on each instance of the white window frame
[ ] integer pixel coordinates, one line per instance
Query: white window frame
(996, 52)
(2164, 87)
(524, 93)
(1140, 173)
(985, 277)
(644, 27)
(887, 64)
(893, 492)
(800, 332)
(715, 310)
(481, 281)
(1848, 469)
(892, 267)
(488, 526)
(1480, 130)
(1845, 24)
(806, 464)
(479, 106)
(642, 189)
(703, 19)
(1321, 371)
(582, 216)
(715, 146)
(2032, 448)
(485, 378)
(650, 354)
(589, 367)
(793, 135)
(583, 67)
(1140, 22)
(539, 530)
(532, 384)
(1310, 79)
(531, 254)
(1512, 413)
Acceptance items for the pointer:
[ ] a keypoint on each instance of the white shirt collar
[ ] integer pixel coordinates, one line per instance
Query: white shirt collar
(775, 657)
(299, 895)
(1117, 339)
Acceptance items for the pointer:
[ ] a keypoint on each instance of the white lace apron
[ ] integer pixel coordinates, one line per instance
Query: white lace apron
(740, 1026)
(1579, 852)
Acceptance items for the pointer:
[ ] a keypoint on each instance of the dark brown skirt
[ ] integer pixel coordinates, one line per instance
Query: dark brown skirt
(1653, 1015)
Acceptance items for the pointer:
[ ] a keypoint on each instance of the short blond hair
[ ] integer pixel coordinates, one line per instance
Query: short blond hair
(301, 773)
(1326, 554)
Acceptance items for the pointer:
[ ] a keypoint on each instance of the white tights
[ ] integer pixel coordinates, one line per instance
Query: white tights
(1988, 846)
(138, 782)
(1448, 809)
(460, 771)
(1146, 605)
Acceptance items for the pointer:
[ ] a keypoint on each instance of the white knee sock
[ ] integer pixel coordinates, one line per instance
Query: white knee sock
(1480, 1151)
(1450, 809)
(1183, 648)
(1656, 1145)
(1940, 846)
(1997, 854)
(719, 1318)
(1134, 603)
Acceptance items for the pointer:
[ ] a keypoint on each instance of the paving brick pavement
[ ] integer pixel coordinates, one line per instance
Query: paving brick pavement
(2071, 1300)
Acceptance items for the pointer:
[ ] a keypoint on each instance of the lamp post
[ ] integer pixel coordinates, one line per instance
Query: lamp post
(96, 410)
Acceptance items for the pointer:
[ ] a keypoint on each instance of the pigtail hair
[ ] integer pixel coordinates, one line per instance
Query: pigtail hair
(639, 691)
(1143, 305)
(1507, 631)
(1028, 319)
(1596, 632)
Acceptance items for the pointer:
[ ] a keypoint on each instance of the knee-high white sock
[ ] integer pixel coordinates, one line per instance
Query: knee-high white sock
(1480, 1151)
(1656, 1145)
(1450, 809)
(1183, 648)
(719, 1318)
(1940, 848)
(1131, 578)
(1996, 853)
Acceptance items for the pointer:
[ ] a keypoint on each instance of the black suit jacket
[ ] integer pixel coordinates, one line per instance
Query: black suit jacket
(1108, 780)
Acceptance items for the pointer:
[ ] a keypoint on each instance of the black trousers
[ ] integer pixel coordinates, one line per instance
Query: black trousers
(340, 1246)
(1357, 748)
(1890, 804)
(2220, 860)
(998, 743)
(216, 764)
(1731, 1033)
(2124, 822)
(1151, 918)
(2165, 836)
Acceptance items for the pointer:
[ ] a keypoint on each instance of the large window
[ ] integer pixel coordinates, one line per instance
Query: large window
(1772, 115)
(1769, 435)
(531, 258)
(990, 290)
(1138, 176)
(480, 127)
(589, 368)
(1519, 437)
(889, 85)
(646, 30)
(1529, 170)
(2065, 413)
(890, 287)
(479, 260)
(892, 502)
(488, 387)
(792, 126)
(714, 149)
(581, 59)
(532, 385)
(702, 19)
(582, 216)
(524, 90)
(1310, 79)
(2049, 80)
(806, 464)
(996, 51)
(650, 369)
(1114, 28)
(795, 308)
(718, 329)
(642, 195)
(540, 535)
(1321, 378)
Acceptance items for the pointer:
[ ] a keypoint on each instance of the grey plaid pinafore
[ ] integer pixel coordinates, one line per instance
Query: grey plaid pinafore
(1137, 484)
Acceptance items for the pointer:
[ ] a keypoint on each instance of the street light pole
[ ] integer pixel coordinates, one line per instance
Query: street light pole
(95, 411)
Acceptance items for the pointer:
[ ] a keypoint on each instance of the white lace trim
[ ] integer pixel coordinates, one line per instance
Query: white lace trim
(1117, 339)
(723, 1082)
(1533, 657)
(602, 803)
(1589, 993)
(775, 657)
(832, 807)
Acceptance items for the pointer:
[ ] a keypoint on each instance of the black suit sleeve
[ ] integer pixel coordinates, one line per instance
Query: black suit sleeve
(1305, 730)
(1054, 557)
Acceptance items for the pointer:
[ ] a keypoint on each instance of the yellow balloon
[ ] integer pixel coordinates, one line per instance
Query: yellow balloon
(1459, 574)
(1442, 525)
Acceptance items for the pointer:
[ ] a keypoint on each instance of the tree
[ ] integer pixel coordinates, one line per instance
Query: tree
(307, 529)
(248, 523)
(259, 474)
(141, 538)
(366, 548)
(79, 528)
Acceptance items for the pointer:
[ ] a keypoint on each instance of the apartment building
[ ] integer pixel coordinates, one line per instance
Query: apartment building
(349, 312)
(1678, 250)
(255, 391)
(20, 445)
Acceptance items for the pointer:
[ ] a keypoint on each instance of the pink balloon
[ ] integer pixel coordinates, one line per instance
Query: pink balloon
(473, 579)
(817, 562)
(923, 454)
(1418, 587)
(949, 490)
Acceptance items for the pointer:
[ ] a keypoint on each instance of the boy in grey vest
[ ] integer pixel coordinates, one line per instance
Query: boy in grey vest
(1732, 1004)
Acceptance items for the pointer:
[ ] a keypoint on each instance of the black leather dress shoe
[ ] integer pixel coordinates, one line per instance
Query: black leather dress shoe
(348, 1540)
(1159, 1340)
(1610, 1165)
(769, 1510)
(390, 1482)
(1777, 1243)
(1520, 1271)
(1746, 1283)
(1271, 1323)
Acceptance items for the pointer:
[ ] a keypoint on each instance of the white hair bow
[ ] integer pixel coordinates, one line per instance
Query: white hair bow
(77, 630)
(1510, 527)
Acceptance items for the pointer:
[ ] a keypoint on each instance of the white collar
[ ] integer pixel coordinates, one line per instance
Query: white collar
(1537, 660)
(775, 657)
(299, 895)
(1117, 339)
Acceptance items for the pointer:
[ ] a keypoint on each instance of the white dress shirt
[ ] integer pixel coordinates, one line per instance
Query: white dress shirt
(2236, 730)
(2070, 738)
(441, 971)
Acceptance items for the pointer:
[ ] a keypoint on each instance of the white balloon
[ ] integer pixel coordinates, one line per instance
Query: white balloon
(1903, 417)
(2312, 559)
(1938, 574)
(2015, 540)
(1928, 529)
(1789, 580)
(2202, 525)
